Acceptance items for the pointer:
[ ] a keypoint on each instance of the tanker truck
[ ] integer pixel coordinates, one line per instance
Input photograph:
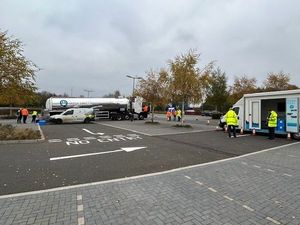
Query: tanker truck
(104, 108)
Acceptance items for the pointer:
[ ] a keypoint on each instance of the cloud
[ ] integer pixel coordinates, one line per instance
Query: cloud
(95, 44)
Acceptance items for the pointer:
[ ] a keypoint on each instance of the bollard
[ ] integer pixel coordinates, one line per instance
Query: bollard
(242, 131)
(207, 123)
(226, 128)
(253, 132)
(289, 136)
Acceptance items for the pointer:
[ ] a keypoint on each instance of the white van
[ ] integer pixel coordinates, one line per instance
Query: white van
(72, 115)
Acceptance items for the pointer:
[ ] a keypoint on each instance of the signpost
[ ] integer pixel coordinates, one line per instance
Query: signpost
(292, 115)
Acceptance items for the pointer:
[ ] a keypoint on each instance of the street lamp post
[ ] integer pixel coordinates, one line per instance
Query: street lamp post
(133, 82)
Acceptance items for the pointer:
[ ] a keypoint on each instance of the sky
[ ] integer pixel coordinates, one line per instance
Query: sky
(93, 45)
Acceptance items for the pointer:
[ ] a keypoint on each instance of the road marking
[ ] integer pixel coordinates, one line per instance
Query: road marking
(79, 197)
(54, 140)
(198, 182)
(271, 170)
(243, 135)
(90, 132)
(97, 153)
(288, 175)
(188, 177)
(248, 208)
(228, 198)
(273, 221)
(244, 163)
(256, 166)
(293, 156)
(81, 221)
(213, 190)
(121, 128)
(79, 208)
(89, 138)
(144, 175)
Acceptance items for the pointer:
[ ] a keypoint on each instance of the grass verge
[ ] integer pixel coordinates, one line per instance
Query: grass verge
(9, 132)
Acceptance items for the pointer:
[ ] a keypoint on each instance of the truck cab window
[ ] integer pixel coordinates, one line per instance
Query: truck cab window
(70, 112)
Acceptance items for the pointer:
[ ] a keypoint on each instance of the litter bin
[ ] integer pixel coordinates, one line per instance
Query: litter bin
(42, 122)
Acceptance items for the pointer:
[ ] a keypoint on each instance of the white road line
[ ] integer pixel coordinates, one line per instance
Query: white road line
(54, 140)
(243, 135)
(84, 155)
(213, 190)
(271, 170)
(228, 198)
(79, 208)
(80, 221)
(198, 182)
(244, 163)
(188, 177)
(256, 166)
(186, 132)
(79, 197)
(273, 221)
(293, 156)
(248, 208)
(121, 128)
(145, 175)
(288, 175)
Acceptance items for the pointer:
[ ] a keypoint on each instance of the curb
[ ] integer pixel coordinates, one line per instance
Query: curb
(42, 139)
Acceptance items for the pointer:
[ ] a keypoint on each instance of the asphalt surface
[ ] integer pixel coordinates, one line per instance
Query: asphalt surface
(27, 167)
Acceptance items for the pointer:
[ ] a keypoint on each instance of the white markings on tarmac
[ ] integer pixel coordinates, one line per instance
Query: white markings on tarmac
(130, 149)
(228, 198)
(99, 139)
(272, 220)
(213, 190)
(90, 132)
(269, 170)
(145, 175)
(248, 208)
(80, 210)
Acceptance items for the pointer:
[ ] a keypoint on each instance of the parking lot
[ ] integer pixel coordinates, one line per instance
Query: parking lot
(81, 153)
(122, 172)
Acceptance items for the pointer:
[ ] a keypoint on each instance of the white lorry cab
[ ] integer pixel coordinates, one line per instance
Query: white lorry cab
(252, 110)
(74, 115)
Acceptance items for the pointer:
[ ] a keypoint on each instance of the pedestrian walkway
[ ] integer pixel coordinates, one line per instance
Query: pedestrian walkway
(24, 125)
(260, 188)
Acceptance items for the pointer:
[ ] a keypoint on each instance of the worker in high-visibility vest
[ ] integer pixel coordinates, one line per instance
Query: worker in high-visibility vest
(232, 121)
(272, 123)
(178, 114)
(33, 115)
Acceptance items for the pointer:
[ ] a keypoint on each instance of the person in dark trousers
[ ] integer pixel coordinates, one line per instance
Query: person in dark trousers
(232, 121)
(19, 115)
(25, 113)
(34, 114)
(272, 123)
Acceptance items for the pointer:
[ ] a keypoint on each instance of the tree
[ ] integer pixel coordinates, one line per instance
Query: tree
(17, 73)
(217, 91)
(241, 86)
(187, 81)
(278, 82)
(153, 88)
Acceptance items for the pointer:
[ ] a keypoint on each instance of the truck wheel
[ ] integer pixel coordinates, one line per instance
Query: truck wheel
(119, 117)
(141, 117)
(87, 120)
(296, 136)
(58, 121)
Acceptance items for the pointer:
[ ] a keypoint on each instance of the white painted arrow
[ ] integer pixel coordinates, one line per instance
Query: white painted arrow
(90, 132)
(130, 149)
